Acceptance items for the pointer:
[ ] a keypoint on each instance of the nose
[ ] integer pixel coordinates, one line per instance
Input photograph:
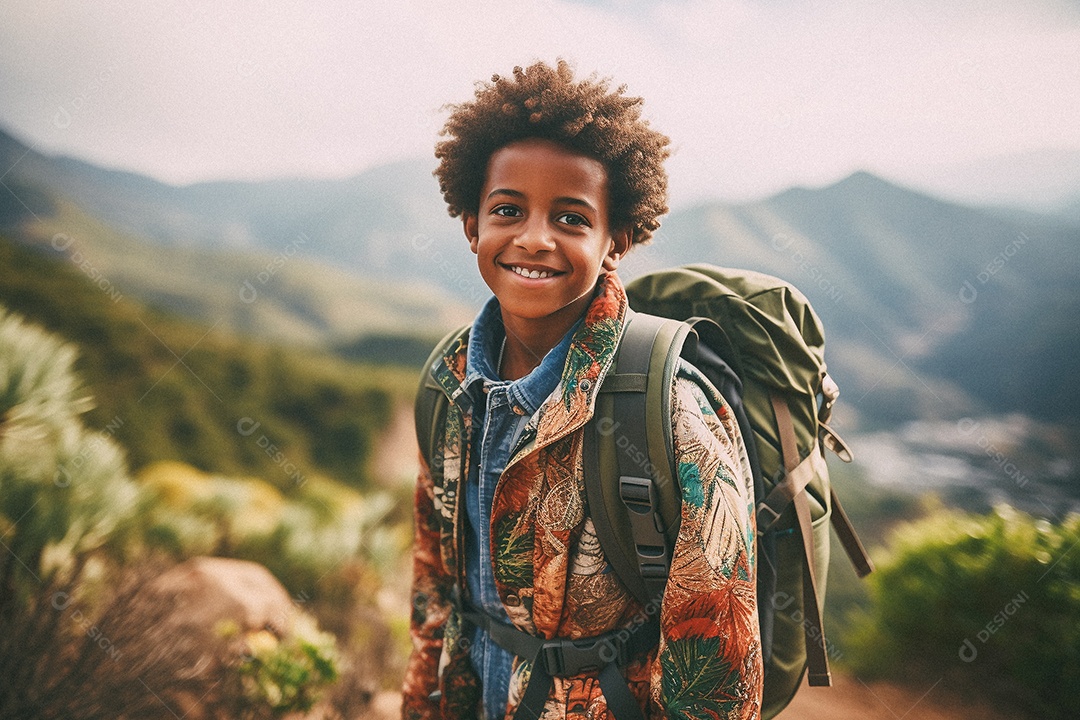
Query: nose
(535, 236)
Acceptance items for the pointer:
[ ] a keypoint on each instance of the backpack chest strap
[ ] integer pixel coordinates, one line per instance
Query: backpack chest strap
(603, 654)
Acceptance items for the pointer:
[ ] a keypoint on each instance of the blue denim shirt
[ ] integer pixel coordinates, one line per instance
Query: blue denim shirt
(501, 420)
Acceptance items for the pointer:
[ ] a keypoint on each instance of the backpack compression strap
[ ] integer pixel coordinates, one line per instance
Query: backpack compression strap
(817, 661)
(792, 491)
(795, 482)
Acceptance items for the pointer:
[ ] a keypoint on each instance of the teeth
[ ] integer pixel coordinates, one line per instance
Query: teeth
(532, 274)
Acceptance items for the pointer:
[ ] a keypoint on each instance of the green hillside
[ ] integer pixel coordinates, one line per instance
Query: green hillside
(387, 225)
(171, 388)
(347, 263)
(284, 296)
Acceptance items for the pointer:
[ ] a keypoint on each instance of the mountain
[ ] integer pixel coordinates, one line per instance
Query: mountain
(933, 309)
(385, 221)
(234, 256)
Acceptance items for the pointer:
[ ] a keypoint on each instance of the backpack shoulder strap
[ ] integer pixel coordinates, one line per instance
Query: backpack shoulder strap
(631, 481)
(429, 412)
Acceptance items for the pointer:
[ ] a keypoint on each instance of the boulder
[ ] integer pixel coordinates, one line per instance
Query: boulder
(204, 593)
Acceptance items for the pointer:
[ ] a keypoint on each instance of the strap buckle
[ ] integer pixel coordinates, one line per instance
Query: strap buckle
(566, 658)
(639, 496)
(637, 491)
(764, 522)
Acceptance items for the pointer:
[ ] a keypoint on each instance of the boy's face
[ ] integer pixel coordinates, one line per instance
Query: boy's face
(542, 237)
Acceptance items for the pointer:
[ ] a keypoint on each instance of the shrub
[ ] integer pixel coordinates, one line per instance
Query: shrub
(288, 675)
(67, 511)
(76, 640)
(991, 603)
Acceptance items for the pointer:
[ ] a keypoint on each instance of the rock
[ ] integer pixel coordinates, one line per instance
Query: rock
(204, 592)
(200, 619)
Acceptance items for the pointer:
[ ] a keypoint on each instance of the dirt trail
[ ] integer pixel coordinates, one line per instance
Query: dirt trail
(848, 699)
(852, 699)
(395, 458)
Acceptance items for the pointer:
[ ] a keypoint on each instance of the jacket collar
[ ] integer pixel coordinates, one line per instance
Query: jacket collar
(591, 353)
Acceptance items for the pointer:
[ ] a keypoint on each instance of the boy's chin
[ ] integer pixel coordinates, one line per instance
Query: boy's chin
(540, 312)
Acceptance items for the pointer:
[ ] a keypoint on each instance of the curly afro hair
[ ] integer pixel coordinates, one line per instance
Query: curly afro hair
(545, 102)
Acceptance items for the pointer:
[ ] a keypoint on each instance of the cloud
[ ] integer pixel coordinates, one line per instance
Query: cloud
(756, 95)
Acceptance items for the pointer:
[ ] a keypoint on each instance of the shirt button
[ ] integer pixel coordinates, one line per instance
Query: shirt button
(585, 385)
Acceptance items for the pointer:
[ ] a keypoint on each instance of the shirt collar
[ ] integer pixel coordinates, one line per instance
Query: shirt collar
(487, 336)
(588, 359)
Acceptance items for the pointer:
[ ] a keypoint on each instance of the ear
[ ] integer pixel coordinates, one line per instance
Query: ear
(620, 245)
(470, 225)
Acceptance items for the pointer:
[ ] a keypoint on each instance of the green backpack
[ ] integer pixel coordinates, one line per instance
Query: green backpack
(757, 339)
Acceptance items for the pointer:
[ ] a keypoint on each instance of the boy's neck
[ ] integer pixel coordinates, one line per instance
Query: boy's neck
(529, 340)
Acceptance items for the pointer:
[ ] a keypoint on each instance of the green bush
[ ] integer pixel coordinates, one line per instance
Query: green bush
(67, 510)
(64, 490)
(288, 675)
(990, 603)
(75, 532)
(305, 539)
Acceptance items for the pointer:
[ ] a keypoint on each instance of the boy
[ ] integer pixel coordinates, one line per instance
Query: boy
(555, 180)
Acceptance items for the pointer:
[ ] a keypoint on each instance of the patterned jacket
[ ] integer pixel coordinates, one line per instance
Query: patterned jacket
(549, 569)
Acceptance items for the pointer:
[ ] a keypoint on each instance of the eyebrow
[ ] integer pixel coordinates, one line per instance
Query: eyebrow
(566, 200)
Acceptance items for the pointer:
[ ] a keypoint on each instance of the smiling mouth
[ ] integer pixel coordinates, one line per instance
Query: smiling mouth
(532, 274)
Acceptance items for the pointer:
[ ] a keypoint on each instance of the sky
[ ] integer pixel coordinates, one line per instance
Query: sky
(756, 95)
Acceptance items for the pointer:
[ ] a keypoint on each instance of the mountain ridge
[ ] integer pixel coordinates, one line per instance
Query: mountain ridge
(887, 267)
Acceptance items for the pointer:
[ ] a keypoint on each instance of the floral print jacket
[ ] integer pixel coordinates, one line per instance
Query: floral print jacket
(550, 571)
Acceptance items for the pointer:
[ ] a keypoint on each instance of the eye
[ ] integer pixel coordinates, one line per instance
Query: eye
(506, 211)
(573, 219)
